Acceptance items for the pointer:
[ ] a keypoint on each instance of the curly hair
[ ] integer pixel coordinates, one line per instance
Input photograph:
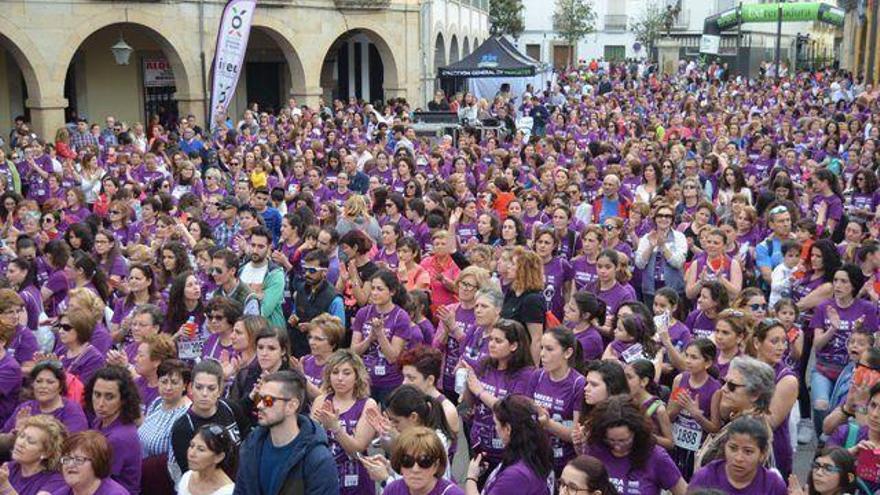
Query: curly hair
(56, 434)
(128, 392)
(621, 411)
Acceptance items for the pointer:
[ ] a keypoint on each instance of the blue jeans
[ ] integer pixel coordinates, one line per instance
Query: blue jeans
(820, 391)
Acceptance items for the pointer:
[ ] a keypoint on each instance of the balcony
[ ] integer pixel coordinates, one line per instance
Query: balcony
(615, 23)
(361, 4)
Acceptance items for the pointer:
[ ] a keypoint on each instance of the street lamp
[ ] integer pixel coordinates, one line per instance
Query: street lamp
(121, 51)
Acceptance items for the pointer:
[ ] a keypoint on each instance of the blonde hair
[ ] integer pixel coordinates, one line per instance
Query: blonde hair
(481, 276)
(56, 434)
(355, 206)
(362, 377)
(162, 346)
(330, 325)
(529, 270)
(87, 300)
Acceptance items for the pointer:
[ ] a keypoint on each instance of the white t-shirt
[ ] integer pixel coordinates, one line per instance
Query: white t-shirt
(251, 274)
(183, 486)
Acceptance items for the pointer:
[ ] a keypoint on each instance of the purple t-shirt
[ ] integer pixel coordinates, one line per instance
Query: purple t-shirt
(584, 273)
(10, 384)
(59, 284)
(24, 344)
(475, 346)
(384, 374)
(516, 478)
(484, 437)
(313, 371)
(834, 353)
(85, 365)
(658, 472)
(615, 296)
(561, 399)
(70, 414)
(33, 304)
(591, 343)
(107, 487)
(213, 348)
(123, 439)
(557, 272)
(148, 393)
(700, 325)
(712, 475)
(835, 206)
(443, 487)
(465, 321)
(44, 481)
(353, 476)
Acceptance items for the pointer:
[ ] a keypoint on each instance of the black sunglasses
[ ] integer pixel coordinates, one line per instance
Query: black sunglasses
(424, 462)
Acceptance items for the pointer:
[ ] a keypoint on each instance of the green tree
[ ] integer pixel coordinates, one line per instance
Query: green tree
(506, 17)
(572, 20)
(649, 26)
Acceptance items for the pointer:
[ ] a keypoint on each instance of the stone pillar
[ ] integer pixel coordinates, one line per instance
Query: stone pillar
(47, 115)
(310, 97)
(365, 70)
(351, 69)
(667, 55)
(193, 104)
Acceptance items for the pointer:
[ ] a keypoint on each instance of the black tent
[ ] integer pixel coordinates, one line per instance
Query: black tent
(496, 57)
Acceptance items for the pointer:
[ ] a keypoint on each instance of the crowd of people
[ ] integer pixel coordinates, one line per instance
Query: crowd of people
(664, 283)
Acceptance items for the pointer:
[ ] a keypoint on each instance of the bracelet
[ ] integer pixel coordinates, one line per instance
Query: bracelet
(471, 479)
(845, 412)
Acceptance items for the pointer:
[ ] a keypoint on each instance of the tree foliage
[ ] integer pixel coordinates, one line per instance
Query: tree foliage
(574, 19)
(649, 26)
(506, 17)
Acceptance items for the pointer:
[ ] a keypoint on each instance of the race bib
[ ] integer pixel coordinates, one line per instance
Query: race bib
(350, 480)
(687, 436)
(379, 370)
(632, 353)
(190, 349)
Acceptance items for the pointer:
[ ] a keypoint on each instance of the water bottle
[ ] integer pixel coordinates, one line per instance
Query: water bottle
(191, 327)
(461, 375)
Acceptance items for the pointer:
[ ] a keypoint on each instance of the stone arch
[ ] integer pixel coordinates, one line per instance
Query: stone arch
(454, 55)
(28, 58)
(439, 52)
(278, 32)
(184, 64)
(390, 72)
(465, 47)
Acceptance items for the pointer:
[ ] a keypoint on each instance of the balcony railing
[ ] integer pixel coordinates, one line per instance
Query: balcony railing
(615, 22)
(362, 4)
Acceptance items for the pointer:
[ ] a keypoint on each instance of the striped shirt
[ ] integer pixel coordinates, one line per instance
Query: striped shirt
(155, 432)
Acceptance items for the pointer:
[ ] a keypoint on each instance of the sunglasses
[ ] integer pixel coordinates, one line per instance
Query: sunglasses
(609, 227)
(268, 400)
(828, 468)
(216, 271)
(424, 462)
(758, 307)
(114, 212)
(731, 386)
(48, 220)
(663, 215)
(216, 318)
(311, 270)
(64, 326)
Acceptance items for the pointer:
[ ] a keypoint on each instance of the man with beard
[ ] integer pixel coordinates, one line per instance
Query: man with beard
(288, 452)
(317, 297)
(265, 279)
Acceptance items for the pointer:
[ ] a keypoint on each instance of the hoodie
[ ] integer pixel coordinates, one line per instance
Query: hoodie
(309, 470)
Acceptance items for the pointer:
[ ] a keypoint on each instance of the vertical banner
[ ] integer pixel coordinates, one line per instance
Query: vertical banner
(232, 40)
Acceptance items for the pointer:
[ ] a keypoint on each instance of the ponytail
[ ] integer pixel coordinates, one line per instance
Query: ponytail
(407, 399)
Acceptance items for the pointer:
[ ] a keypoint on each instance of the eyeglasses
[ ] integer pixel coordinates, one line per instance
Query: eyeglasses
(609, 227)
(74, 460)
(731, 386)
(468, 286)
(268, 400)
(566, 487)
(318, 338)
(758, 307)
(424, 461)
(64, 326)
(828, 468)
